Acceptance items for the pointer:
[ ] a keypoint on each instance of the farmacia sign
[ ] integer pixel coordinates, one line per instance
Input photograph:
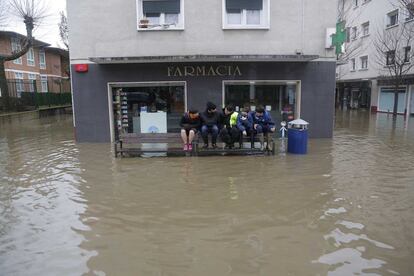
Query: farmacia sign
(204, 71)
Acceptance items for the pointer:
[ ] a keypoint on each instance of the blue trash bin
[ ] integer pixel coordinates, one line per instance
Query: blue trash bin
(298, 137)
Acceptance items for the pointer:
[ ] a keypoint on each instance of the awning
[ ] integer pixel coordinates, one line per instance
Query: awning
(205, 58)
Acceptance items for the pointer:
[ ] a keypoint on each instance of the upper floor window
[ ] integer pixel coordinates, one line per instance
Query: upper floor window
(390, 57)
(160, 14)
(353, 65)
(16, 47)
(407, 54)
(354, 33)
(30, 57)
(392, 18)
(42, 59)
(245, 14)
(410, 11)
(364, 62)
(348, 34)
(365, 29)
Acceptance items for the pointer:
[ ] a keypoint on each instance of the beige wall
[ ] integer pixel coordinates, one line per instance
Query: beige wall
(109, 29)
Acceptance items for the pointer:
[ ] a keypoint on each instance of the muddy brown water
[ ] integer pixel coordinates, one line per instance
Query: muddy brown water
(346, 208)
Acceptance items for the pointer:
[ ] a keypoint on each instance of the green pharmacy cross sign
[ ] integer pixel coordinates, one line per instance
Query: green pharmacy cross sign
(339, 38)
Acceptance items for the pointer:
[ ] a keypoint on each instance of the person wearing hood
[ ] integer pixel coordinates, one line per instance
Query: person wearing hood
(262, 123)
(229, 132)
(190, 124)
(210, 121)
(245, 123)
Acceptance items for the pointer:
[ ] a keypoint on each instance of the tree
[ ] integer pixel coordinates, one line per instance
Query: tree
(31, 13)
(63, 30)
(394, 56)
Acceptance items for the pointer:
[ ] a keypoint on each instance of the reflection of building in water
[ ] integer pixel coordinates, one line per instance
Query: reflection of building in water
(243, 52)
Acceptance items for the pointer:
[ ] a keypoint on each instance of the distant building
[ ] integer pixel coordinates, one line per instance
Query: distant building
(362, 81)
(41, 69)
(129, 57)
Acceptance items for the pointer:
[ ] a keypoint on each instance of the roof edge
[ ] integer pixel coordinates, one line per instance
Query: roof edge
(204, 58)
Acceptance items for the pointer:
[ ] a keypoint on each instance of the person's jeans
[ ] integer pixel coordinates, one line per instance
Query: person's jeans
(263, 129)
(205, 130)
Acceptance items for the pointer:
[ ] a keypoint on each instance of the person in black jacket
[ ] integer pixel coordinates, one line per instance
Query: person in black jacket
(190, 124)
(210, 121)
(229, 132)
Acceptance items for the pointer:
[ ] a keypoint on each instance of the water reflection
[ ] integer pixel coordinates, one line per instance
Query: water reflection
(344, 209)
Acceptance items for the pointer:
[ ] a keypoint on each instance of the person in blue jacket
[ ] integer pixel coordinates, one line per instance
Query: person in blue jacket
(245, 123)
(262, 124)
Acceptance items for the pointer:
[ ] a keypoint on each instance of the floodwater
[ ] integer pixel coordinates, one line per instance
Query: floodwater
(346, 208)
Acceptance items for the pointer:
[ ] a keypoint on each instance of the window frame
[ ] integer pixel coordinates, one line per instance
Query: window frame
(42, 65)
(32, 81)
(353, 65)
(43, 79)
(407, 54)
(365, 26)
(30, 61)
(397, 13)
(362, 62)
(19, 77)
(354, 33)
(16, 46)
(264, 18)
(163, 26)
(409, 15)
(388, 56)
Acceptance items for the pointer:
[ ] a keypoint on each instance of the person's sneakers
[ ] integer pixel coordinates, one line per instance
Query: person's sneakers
(190, 147)
(205, 146)
(214, 146)
(185, 148)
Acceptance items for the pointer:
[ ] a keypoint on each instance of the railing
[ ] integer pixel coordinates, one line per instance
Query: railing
(26, 95)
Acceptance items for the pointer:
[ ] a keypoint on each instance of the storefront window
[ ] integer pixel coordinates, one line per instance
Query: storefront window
(386, 100)
(278, 99)
(148, 109)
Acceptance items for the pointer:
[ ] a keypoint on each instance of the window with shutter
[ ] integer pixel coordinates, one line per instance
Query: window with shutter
(245, 14)
(160, 14)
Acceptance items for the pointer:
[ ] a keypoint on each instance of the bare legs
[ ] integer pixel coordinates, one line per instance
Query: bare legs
(187, 139)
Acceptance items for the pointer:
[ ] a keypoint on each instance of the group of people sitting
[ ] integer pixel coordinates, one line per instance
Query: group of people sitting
(228, 124)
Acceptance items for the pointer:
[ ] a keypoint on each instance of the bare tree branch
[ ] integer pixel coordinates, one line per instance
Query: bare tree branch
(4, 9)
(64, 30)
(394, 56)
(31, 12)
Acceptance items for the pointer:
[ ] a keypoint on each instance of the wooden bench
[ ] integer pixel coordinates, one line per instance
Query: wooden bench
(240, 150)
(135, 144)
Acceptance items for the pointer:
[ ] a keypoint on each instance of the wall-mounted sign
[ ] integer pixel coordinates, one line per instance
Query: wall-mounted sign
(204, 71)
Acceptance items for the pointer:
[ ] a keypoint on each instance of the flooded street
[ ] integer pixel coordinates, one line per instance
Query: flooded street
(346, 208)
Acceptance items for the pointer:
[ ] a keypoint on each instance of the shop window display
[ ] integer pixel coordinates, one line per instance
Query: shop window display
(278, 99)
(148, 109)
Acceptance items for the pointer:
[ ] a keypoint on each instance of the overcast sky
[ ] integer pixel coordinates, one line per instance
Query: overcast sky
(48, 31)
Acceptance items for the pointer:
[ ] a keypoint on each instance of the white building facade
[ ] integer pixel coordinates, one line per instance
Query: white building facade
(172, 55)
(363, 72)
